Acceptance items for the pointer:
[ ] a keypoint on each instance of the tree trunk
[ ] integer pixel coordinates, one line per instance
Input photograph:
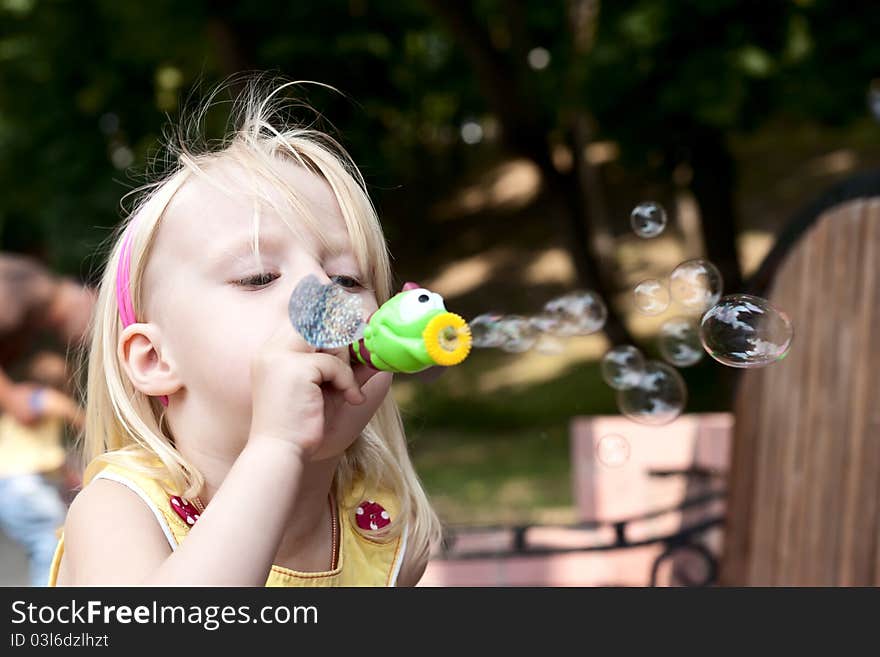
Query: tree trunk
(714, 185)
(525, 133)
(567, 188)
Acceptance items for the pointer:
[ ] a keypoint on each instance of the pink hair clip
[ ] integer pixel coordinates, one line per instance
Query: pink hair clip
(123, 286)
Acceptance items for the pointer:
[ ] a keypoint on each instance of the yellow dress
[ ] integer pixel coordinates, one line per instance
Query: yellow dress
(360, 560)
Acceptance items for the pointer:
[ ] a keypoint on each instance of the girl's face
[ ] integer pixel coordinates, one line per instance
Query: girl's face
(215, 305)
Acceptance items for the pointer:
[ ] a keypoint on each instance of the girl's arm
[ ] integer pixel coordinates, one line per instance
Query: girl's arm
(15, 399)
(107, 532)
(112, 537)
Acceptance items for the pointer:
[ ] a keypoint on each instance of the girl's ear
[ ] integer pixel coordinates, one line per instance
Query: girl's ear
(149, 368)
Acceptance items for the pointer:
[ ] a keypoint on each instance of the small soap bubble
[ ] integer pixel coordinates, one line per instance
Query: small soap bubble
(651, 296)
(519, 334)
(485, 330)
(578, 313)
(623, 367)
(648, 219)
(742, 330)
(658, 398)
(612, 450)
(327, 316)
(696, 285)
(679, 341)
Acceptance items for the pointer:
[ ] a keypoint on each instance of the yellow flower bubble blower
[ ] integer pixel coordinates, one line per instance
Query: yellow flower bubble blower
(412, 332)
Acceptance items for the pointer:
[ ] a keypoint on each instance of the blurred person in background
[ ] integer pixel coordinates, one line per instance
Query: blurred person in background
(40, 314)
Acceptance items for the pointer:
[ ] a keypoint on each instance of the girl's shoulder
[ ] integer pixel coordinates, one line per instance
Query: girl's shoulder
(141, 481)
(110, 534)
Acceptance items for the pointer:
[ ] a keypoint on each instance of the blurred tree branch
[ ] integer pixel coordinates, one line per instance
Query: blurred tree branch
(526, 134)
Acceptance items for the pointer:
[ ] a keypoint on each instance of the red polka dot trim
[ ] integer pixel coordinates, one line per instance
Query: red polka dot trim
(187, 512)
(371, 515)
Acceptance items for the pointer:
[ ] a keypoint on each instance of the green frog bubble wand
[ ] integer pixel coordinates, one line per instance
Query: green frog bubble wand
(409, 333)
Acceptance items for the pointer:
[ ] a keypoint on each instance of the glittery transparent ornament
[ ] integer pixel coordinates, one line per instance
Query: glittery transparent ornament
(327, 316)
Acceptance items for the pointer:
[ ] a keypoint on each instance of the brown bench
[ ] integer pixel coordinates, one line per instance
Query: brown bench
(804, 493)
(634, 529)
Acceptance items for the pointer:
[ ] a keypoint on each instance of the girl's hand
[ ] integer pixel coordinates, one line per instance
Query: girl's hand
(295, 389)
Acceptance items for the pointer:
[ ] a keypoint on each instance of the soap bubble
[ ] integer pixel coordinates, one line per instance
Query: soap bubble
(485, 330)
(327, 316)
(658, 398)
(550, 345)
(648, 219)
(612, 450)
(746, 331)
(622, 367)
(548, 323)
(679, 341)
(651, 296)
(518, 333)
(696, 285)
(578, 313)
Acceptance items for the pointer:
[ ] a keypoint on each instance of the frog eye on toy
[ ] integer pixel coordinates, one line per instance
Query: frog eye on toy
(416, 303)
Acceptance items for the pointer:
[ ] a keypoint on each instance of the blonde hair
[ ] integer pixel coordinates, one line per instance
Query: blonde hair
(127, 427)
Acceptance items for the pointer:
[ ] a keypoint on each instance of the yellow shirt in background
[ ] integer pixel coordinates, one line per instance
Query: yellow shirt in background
(30, 449)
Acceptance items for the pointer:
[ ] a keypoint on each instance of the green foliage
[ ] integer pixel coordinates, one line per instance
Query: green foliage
(85, 87)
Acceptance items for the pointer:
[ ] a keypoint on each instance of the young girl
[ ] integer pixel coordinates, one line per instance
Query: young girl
(222, 448)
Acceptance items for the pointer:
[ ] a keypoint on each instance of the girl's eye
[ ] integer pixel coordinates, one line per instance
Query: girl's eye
(259, 280)
(346, 281)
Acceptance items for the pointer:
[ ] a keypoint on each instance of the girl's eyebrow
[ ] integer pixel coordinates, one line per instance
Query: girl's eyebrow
(336, 246)
(271, 241)
(244, 245)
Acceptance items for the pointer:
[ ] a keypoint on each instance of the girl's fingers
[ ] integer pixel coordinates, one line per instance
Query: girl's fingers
(340, 376)
(363, 373)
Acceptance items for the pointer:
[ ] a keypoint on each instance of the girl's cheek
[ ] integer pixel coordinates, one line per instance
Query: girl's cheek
(377, 387)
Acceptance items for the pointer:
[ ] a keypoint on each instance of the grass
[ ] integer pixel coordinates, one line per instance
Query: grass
(502, 455)
(510, 476)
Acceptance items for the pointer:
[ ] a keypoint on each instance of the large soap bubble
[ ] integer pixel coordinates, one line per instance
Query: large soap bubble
(742, 330)
(679, 341)
(648, 219)
(518, 333)
(485, 330)
(658, 398)
(623, 367)
(578, 313)
(696, 285)
(327, 316)
(651, 296)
